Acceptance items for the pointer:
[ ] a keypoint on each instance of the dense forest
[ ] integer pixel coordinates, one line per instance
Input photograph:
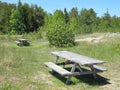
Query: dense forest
(24, 18)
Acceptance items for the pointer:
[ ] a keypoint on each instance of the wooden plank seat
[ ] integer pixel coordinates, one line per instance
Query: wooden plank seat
(99, 69)
(58, 69)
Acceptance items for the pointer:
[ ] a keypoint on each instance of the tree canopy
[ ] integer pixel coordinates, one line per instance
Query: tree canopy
(23, 18)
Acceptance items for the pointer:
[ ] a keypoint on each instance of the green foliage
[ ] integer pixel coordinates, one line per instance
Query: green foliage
(74, 25)
(74, 20)
(16, 20)
(58, 17)
(37, 17)
(5, 12)
(33, 35)
(60, 35)
(107, 19)
(87, 20)
(12, 32)
(73, 13)
(20, 19)
(23, 18)
(66, 16)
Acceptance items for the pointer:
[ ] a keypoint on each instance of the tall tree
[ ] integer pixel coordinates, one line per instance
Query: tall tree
(5, 12)
(87, 20)
(107, 20)
(73, 13)
(16, 20)
(48, 20)
(27, 17)
(74, 22)
(58, 17)
(66, 16)
(38, 17)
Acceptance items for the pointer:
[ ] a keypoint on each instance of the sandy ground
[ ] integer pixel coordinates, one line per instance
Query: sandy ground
(97, 39)
(91, 39)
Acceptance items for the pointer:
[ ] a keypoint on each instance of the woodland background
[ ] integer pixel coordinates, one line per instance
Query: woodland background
(25, 18)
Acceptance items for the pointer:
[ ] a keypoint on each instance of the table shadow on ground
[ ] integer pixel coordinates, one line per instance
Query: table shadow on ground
(89, 79)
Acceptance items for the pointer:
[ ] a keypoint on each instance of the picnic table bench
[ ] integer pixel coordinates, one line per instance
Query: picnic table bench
(77, 61)
(58, 69)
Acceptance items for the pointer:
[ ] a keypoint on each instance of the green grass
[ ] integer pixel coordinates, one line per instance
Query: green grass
(22, 68)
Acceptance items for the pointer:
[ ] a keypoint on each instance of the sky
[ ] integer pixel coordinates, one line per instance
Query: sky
(100, 6)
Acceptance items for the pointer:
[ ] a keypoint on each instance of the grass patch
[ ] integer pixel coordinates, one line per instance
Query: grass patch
(22, 68)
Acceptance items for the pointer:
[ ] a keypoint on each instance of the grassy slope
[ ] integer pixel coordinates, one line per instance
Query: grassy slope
(22, 68)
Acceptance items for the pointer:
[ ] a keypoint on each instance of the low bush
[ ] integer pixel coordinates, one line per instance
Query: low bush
(60, 35)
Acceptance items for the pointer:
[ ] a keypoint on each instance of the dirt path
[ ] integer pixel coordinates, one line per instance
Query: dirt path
(97, 39)
(91, 39)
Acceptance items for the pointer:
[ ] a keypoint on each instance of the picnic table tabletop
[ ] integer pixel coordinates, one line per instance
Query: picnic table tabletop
(76, 58)
(22, 39)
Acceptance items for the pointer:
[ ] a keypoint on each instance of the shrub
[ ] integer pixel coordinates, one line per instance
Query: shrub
(60, 35)
(33, 35)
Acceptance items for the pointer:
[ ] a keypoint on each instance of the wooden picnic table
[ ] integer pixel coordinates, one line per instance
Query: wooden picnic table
(23, 42)
(77, 61)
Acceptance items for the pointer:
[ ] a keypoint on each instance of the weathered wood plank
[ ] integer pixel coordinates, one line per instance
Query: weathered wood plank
(58, 69)
(82, 73)
(85, 73)
(98, 68)
(80, 59)
(65, 63)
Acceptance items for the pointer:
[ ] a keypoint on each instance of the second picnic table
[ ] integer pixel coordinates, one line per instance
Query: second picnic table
(77, 61)
(23, 42)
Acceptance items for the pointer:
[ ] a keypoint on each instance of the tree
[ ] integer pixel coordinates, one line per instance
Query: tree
(16, 20)
(66, 16)
(27, 17)
(48, 21)
(73, 13)
(106, 21)
(74, 22)
(59, 34)
(38, 17)
(87, 20)
(5, 12)
(58, 17)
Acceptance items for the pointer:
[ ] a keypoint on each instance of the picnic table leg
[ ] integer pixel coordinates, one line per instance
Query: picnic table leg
(94, 73)
(69, 77)
(57, 58)
(79, 68)
(56, 61)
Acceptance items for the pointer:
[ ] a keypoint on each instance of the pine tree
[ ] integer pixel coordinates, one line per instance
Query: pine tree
(16, 20)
